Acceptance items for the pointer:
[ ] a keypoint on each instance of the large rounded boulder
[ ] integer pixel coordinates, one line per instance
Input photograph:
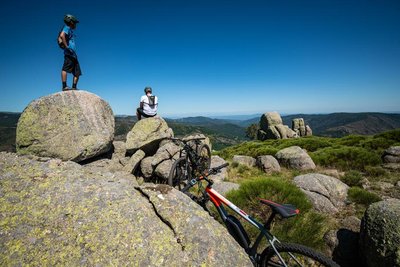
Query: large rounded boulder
(147, 134)
(327, 194)
(295, 157)
(380, 234)
(55, 213)
(73, 125)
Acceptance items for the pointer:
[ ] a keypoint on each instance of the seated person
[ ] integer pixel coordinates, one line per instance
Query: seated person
(148, 105)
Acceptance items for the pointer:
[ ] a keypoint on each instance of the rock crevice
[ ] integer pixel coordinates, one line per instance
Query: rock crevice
(164, 220)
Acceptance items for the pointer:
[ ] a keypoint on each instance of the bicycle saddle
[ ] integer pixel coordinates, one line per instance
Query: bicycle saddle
(285, 210)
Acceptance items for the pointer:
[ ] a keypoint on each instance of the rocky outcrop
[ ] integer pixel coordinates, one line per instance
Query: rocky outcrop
(391, 155)
(147, 134)
(327, 194)
(271, 127)
(244, 160)
(159, 165)
(295, 157)
(72, 125)
(62, 213)
(268, 164)
(380, 234)
(300, 127)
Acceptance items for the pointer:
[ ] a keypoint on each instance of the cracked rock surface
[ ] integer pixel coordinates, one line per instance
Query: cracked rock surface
(62, 213)
(326, 193)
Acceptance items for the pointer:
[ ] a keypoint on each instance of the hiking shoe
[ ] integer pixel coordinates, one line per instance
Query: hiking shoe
(66, 88)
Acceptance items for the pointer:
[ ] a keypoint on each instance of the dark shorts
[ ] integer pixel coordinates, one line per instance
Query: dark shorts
(141, 112)
(71, 65)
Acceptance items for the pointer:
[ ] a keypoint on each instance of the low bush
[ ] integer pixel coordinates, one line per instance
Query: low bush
(345, 158)
(361, 196)
(307, 228)
(391, 135)
(351, 140)
(352, 178)
(375, 171)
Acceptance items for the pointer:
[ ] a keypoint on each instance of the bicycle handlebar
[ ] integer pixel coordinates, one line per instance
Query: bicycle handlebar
(210, 172)
(185, 140)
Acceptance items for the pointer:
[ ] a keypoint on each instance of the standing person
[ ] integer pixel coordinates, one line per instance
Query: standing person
(66, 40)
(148, 105)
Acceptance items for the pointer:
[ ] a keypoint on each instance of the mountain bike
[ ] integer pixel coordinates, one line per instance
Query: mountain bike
(194, 159)
(277, 253)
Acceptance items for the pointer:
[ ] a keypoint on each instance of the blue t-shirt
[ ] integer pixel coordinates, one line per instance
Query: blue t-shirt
(70, 37)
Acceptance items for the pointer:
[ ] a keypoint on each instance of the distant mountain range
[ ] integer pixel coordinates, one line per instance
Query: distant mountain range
(230, 130)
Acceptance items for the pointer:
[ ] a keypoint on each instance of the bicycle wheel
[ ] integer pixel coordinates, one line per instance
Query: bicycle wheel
(294, 255)
(204, 153)
(180, 173)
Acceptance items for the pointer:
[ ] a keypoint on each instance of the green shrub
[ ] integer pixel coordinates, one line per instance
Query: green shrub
(345, 158)
(242, 168)
(351, 140)
(307, 228)
(361, 196)
(391, 135)
(375, 171)
(378, 143)
(352, 178)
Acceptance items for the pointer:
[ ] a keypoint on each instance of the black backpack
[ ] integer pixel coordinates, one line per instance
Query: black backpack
(152, 100)
(59, 39)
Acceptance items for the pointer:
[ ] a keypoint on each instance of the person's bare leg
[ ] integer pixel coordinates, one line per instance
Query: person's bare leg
(63, 76)
(64, 80)
(75, 82)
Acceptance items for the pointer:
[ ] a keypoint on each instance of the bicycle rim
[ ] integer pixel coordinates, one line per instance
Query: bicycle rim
(204, 153)
(294, 255)
(179, 174)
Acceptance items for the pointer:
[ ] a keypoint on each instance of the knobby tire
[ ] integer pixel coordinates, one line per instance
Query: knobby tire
(179, 173)
(306, 256)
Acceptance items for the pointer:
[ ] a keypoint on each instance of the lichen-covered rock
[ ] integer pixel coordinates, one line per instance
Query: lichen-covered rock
(295, 157)
(146, 167)
(201, 237)
(163, 169)
(244, 160)
(167, 151)
(268, 164)
(72, 125)
(55, 213)
(119, 150)
(147, 134)
(326, 193)
(134, 161)
(380, 234)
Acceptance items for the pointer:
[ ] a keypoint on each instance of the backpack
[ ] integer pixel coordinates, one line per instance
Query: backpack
(152, 100)
(59, 39)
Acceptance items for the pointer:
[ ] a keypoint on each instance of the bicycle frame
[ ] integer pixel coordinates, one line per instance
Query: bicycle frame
(217, 199)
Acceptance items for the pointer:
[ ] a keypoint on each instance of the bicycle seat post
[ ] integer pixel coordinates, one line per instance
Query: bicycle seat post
(267, 225)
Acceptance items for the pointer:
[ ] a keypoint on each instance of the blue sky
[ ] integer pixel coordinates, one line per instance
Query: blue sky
(210, 57)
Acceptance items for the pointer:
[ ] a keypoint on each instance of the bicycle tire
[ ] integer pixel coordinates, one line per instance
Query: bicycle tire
(204, 153)
(180, 173)
(305, 255)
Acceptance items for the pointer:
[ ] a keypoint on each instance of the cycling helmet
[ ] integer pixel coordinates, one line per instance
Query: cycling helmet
(147, 89)
(70, 18)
